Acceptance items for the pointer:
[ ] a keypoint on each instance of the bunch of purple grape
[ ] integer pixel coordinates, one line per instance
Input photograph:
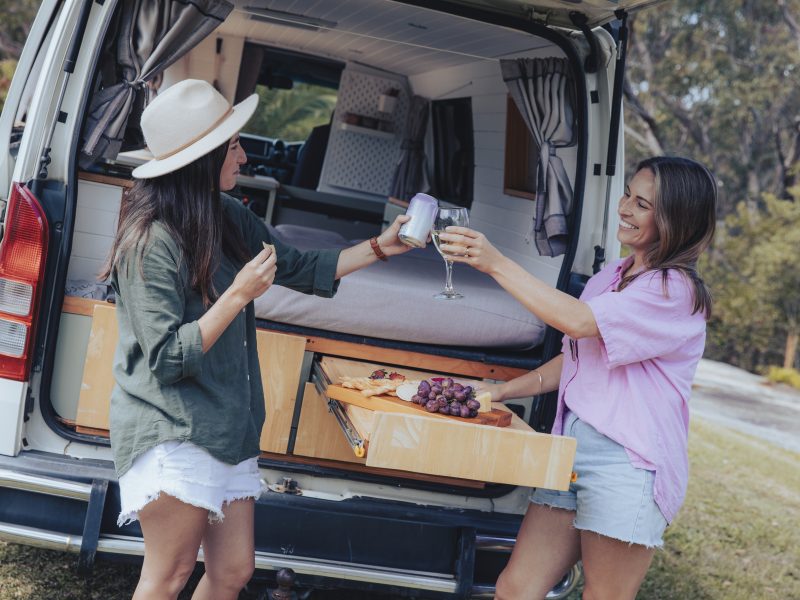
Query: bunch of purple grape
(447, 397)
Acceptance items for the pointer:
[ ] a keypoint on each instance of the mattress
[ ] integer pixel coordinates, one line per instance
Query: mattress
(394, 300)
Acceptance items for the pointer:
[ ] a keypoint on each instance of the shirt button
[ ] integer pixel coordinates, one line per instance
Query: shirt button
(245, 343)
(248, 377)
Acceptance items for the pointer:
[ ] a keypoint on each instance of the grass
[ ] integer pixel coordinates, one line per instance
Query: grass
(783, 375)
(737, 535)
(736, 538)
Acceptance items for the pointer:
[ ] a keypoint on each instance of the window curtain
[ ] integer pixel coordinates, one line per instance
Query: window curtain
(150, 36)
(545, 96)
(409, 175)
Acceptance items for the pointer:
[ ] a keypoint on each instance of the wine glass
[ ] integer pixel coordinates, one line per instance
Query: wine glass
(446, 217)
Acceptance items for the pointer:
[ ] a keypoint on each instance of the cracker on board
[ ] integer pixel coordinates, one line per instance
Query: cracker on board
(372, 387)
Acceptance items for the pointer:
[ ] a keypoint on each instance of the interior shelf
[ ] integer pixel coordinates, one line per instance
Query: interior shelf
(386, 135)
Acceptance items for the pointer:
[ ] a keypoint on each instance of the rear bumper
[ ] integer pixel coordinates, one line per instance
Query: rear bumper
(65, 504)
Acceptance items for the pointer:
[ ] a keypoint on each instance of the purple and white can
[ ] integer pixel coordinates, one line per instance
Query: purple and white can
(422, 210)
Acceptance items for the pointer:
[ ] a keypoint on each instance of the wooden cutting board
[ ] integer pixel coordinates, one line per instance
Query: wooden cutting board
(494, 417)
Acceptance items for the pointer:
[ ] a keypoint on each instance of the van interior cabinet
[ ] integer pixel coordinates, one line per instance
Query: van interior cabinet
(400, 439)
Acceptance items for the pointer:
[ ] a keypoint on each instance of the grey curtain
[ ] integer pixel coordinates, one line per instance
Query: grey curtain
(150, 36)
(410, 171)
(545, 96)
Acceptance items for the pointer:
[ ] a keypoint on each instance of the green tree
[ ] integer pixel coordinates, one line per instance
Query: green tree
(718, 80)
(15, 25)
(291, 114)
(754, 271)
(6, 73)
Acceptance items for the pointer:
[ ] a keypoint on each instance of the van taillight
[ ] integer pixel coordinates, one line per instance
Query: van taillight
(23, 252)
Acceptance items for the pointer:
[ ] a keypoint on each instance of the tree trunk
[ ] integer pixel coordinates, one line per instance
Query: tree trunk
(791, 350)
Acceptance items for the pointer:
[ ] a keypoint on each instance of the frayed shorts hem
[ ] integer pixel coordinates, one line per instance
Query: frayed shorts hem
(215, 515)
(189, 474)
(657, 545)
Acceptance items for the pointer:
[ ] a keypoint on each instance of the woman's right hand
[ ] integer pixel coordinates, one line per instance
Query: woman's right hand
(256, 276)
(471, 247)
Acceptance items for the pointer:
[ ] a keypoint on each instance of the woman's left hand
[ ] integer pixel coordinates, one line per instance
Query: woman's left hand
(388, 240)
(471, 247)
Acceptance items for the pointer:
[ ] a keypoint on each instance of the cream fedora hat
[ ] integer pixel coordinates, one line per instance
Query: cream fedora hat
(187, 121)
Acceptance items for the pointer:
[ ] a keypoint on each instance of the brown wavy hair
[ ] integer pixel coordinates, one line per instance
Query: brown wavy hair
(188, 203)
(685, 216)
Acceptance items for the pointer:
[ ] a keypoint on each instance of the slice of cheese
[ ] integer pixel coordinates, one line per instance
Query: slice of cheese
(485, 398)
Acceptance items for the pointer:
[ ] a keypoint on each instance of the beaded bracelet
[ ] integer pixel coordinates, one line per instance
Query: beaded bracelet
(373, 242)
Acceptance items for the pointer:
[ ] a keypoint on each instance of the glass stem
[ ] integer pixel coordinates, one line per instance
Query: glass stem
(448, 285)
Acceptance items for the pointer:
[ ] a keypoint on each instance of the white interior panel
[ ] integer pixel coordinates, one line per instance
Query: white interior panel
(506, 220)
(95, 226)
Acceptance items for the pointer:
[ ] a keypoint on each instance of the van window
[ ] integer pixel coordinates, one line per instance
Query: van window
(291, 114)
(297, 97)
(453, 150)
(521, 155)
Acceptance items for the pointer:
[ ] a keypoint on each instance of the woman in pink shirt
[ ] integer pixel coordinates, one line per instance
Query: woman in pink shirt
(631, 346)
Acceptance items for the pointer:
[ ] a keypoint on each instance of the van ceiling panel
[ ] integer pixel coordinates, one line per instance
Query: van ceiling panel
(389, 35)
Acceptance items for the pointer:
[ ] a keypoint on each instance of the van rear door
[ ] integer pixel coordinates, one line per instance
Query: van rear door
(14, 115)
(33, 189)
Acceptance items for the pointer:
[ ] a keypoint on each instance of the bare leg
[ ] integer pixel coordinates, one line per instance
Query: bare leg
(229, 550)
(172, 532)
(547, 547)
(612, 569)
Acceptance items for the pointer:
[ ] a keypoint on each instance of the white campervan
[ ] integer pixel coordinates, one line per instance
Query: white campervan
(510, 108)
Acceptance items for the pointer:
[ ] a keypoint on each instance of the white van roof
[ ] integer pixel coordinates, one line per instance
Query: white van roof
(406, 37)
(556, 12)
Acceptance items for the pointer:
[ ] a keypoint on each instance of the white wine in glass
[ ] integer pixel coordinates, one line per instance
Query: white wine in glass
(444, 219)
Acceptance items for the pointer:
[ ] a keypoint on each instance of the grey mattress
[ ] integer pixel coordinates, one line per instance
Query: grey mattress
(394, 300)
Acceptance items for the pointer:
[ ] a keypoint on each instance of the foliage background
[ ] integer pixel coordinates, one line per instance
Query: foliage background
(717, 80)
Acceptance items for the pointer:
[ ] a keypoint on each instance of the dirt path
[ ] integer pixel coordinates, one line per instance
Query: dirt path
(740, 400)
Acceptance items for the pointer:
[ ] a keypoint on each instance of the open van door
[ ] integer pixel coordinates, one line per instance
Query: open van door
(14, 114)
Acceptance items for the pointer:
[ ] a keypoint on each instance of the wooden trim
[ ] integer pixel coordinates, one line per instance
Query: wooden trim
(348, 466)
(107, 179)
(519, 194)
(92, 431)
(520, 148)
(397, 202)
(82, 306)
(418, 360)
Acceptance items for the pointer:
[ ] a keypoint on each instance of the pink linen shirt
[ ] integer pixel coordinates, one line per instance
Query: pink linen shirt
(632, 384)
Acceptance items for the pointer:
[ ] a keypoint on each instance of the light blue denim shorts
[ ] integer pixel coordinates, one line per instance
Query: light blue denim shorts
(610, 496)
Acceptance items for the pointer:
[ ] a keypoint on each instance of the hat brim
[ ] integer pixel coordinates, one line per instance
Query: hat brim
(218, 136)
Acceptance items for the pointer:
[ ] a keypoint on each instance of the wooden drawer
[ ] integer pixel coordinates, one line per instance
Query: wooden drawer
(409, 440)
(280, 357)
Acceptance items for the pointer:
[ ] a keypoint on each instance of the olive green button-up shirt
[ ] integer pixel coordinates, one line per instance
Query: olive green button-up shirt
(167, 389)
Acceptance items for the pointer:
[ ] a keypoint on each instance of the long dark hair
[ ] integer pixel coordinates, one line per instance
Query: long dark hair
(686, 206)
(187, 202)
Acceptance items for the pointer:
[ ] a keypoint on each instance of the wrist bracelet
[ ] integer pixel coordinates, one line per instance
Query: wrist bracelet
(541, 381)
(373, 242)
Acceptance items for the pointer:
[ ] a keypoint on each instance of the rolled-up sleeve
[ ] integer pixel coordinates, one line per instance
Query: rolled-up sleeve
(309, 272)
(154, 302)
(644, 321)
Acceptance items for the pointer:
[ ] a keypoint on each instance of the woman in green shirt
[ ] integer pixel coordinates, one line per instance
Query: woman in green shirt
(188, 407)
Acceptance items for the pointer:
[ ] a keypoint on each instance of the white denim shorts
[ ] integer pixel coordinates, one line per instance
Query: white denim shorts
(190, 474)
(610, 496)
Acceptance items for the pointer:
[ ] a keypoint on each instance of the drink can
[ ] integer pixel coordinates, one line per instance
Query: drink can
(422, 210)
